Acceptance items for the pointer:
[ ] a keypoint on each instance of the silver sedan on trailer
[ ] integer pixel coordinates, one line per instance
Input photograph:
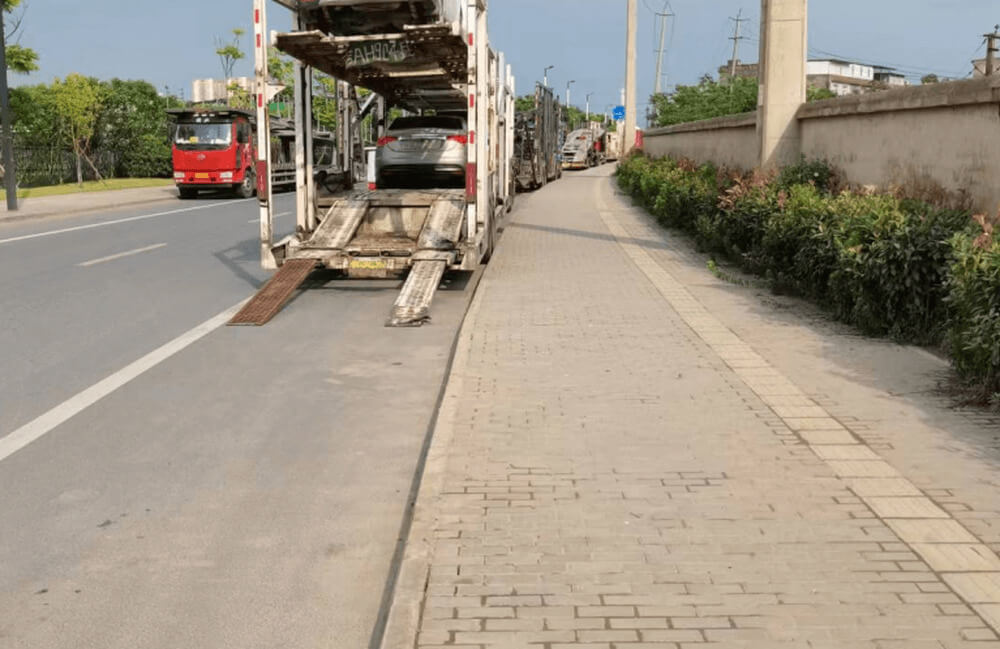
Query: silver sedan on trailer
(423, 152)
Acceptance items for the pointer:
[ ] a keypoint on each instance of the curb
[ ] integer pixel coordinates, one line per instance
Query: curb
(406, 611)
(6, 217)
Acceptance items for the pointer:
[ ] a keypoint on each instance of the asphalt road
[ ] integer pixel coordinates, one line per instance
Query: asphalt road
(245, 492)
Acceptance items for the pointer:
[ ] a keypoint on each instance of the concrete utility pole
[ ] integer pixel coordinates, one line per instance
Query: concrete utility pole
(9, 179)
(991, 50)
(783, 37)
(736, 38)
(658, 87)
(628, 137)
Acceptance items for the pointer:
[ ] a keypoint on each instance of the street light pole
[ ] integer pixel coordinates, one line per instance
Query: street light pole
(545, 82)
(568, 105)
(589, 95)
(9, 179)
(628, 138)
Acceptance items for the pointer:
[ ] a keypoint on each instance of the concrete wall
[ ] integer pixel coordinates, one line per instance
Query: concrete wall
(935, 142)
(726, 141)
(938, 142)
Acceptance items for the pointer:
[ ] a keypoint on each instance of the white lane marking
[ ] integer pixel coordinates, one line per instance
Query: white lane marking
(277, 216)
(127, 253)
(33, 430)
(102, 224)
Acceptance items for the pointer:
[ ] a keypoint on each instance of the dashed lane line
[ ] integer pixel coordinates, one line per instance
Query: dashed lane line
(120, 255)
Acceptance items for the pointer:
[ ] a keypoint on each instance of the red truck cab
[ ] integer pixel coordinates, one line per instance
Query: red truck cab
(213, 150)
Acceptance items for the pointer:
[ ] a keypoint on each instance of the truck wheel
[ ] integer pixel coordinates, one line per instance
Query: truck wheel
(187, 193)
(248, 187)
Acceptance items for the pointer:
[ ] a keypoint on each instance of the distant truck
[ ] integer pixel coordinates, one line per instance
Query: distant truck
(216, 150)
(537, 142)
(584, 148)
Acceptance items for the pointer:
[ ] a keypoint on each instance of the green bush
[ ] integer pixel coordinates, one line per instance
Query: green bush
(974, 300)
(889, 266)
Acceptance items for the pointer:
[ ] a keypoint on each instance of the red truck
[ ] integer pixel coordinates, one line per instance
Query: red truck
(214, 149)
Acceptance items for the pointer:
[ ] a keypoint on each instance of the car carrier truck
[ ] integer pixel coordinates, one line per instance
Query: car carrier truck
(536, 142)
(426, 57)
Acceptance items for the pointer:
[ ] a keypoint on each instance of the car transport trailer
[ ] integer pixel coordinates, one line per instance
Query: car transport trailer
(426, 57)
(536, 142)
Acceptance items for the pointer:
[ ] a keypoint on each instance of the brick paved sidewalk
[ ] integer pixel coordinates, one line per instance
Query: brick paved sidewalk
(614, 468)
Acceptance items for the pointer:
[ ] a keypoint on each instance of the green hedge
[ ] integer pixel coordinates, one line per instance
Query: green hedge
(887, 265)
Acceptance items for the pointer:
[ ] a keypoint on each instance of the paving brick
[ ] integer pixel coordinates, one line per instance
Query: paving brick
(623, 469)
(976, 588)
(931, 531)
(954, 557)
(905, 507)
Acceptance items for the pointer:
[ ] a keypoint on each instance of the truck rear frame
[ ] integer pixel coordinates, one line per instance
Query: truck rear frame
(445, 65)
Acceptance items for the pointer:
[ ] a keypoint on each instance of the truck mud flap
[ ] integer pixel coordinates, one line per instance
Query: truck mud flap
(270, 299)
(412, 307)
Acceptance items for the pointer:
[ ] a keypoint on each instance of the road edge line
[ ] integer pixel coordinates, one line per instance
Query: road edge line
(60, 414)
(402, 623)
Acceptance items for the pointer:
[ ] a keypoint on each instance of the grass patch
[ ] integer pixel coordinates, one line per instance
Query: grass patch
(111, 184)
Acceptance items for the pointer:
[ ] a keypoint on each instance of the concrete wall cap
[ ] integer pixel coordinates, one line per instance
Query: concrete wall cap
(742, 120)
(936, 95)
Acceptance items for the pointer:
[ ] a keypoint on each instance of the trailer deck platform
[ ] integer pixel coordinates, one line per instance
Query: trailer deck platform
(424, 66)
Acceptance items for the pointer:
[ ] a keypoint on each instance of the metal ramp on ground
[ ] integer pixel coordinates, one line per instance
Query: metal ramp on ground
(273, 296)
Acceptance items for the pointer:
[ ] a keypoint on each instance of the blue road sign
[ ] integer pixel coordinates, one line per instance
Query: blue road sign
(619, 113)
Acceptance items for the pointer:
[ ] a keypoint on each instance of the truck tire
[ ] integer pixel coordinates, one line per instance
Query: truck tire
(248, 187)
(187, 193)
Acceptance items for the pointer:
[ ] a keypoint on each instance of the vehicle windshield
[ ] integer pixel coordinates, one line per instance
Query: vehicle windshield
(436, 121)
(204, 135)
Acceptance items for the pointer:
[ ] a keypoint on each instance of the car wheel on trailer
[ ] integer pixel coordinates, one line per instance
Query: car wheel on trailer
(187, 192)
(248, 187)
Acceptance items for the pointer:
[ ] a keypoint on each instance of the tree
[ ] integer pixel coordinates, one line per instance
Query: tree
(133, 122)
(819, 94)
(19, 58)
(706, 100)
(77, 101)
(524, 104)
(229, 53)
(929, 79)
(282, 71)
(712, 98)
(324, 103)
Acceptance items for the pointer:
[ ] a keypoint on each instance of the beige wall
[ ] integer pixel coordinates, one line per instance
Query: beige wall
(726, 141)
(936, 142)
(936, 145)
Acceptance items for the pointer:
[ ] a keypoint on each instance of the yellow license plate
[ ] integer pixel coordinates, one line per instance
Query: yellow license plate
(201, 176)
(368, 264)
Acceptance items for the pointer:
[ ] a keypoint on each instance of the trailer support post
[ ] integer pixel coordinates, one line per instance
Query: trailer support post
(263, 170)
(472, 153)
(302, 95)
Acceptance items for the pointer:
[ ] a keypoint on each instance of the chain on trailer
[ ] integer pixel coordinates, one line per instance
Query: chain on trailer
(419, 55)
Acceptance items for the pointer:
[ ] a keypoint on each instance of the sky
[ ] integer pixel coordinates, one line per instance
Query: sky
(171, 43)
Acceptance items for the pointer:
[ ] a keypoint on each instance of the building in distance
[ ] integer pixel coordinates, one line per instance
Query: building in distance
(838, 76)
(207, 91)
